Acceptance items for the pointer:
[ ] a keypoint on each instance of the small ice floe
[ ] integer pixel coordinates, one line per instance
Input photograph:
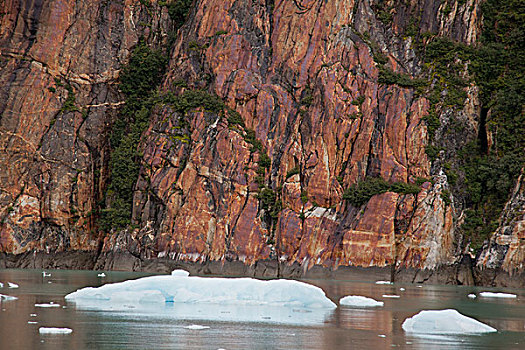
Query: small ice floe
(393, 296)
(101, 274)
(180, 273)
(383, 282)
(496, 295)
(196, 327)
(45, 274)
(1, 285)
(12, 285)
(448, 321)
(52, 330)
(419, 286)
(51, 304)
(32, 315)
(472, 296)
(402, 289)
(49, 282)
(359, 301)
(32, 322)
(382, 336)
(4, 297)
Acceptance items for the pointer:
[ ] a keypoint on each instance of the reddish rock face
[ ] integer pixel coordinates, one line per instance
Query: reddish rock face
(54, 151)
(302, 76)
(294, 75)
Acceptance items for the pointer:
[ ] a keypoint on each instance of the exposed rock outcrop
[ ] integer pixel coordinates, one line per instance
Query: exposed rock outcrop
(304, 79)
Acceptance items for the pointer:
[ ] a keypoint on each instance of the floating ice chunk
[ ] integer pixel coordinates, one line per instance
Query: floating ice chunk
(101, 274)
(45, 274)
(497, 295)
(180, 273)
(383, 282)
(1, 285)
(448, 321)
(32, 315)
(233, 291)
(392, 296)
(472, 296)
(4, 297)
(359, 301)
(47, 305)
(196, 327)
(12, 285)
(382, 336)
(402, 289)
(32, 322)
(52, 330)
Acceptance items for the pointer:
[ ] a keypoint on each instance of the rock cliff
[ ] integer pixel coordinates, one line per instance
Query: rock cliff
(314, 99)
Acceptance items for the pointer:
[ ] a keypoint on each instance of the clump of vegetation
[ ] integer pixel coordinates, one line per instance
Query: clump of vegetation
(69, 104)
(359, 100)
(361, 192)
(304, 197)
(178, 10)
(138, 80)
(294, 171)
(389, 77)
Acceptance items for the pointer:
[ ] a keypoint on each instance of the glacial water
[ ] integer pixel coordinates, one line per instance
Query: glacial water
(236, 327)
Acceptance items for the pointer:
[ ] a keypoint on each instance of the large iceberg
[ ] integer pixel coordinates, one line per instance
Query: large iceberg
(238, 291)
(359, 301)
(218, 299)
(448, 321)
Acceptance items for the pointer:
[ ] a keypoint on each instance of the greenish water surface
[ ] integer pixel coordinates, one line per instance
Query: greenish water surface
(230, 327)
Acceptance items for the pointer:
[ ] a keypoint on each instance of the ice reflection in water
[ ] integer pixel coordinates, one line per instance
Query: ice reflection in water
(158, 328)
(210, 312)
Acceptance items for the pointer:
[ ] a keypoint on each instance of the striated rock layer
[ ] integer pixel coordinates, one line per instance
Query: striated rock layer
(301, 75)
(201, 198)
(60, 62)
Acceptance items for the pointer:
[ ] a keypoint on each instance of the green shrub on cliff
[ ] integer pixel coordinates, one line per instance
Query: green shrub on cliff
(497, 67)
(138, 79)
(362, 191)
(178, 10)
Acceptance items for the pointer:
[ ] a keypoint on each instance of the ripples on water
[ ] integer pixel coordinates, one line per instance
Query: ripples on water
(163, 326)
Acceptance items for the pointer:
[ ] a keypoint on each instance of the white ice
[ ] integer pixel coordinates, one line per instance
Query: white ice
(196, 327)
(472, 296)
(52, 330)
(4, 297)
(497, 295)
(180, 273)
(448, 321)
(359, 301)
(402, 289)
(47, 305)
(12, 285)
(205, 298)
(392, 296)
(1, 285)
(238, 291)
(383, 282)
(101, 274)
(45, 274)
(32, 322)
